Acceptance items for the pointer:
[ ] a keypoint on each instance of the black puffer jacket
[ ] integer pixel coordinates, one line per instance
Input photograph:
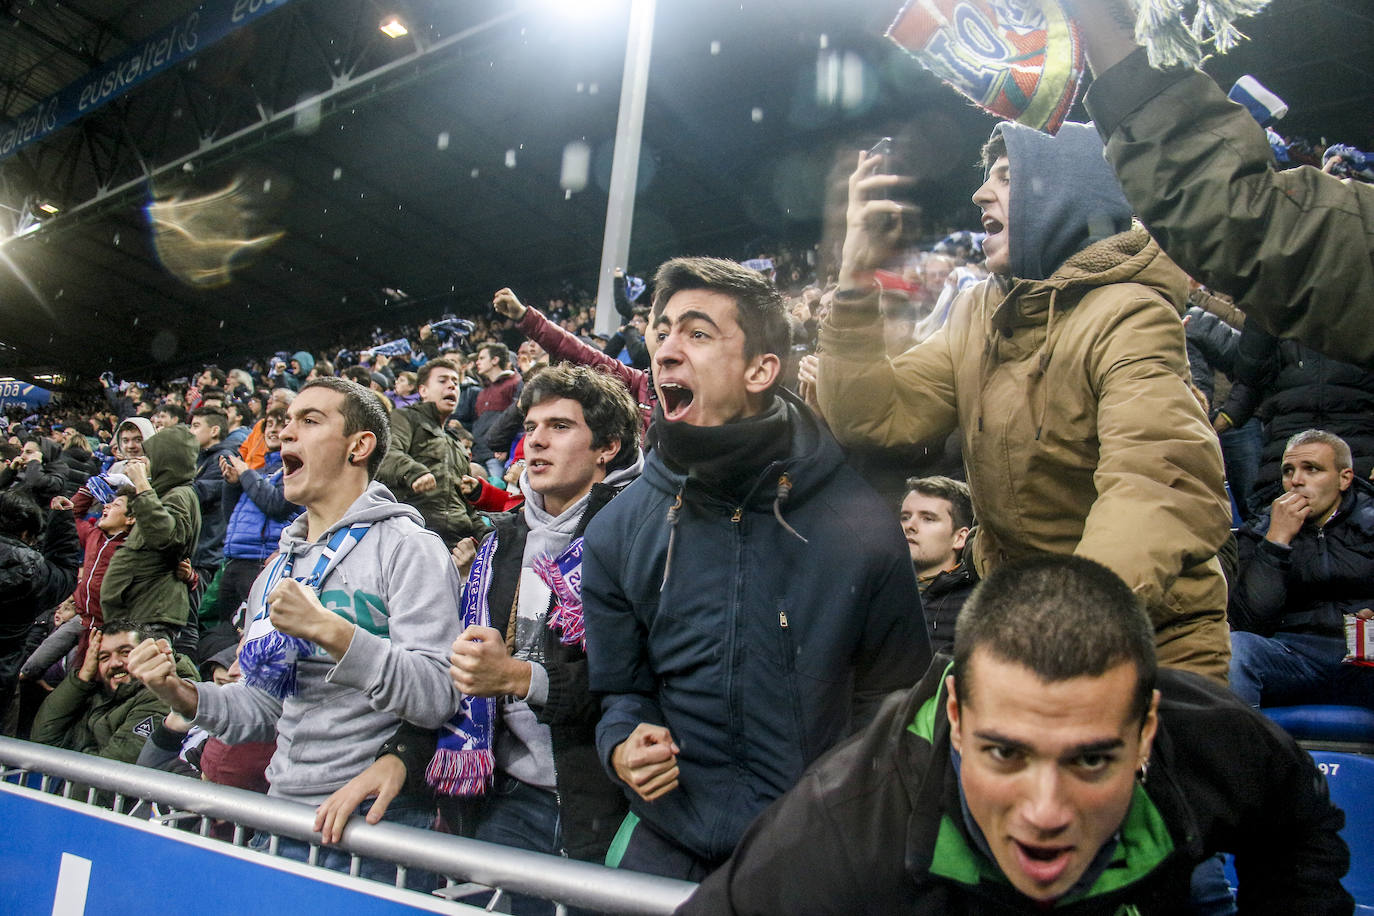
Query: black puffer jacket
(942, 600)
(1292, 387)
(1310, 585)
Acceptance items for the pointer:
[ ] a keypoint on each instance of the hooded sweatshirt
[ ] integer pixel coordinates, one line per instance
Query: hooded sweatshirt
(1053, 219)
(141, 583)
(1079, 432)
(143, 425)
(399, 586)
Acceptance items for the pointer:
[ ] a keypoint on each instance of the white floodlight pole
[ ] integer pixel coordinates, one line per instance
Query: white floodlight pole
(620, 209)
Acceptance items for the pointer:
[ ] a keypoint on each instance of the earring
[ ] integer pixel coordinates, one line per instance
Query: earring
(1142, 771)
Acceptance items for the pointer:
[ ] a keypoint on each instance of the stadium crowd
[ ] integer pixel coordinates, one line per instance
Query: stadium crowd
(710, 598)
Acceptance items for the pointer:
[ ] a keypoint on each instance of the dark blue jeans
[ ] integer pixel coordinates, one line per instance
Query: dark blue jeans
(1240, 451)
(409, 810)
(1284, 669)
(516, 814)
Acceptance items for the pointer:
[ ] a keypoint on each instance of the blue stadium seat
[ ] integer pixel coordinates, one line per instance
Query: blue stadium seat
(1336, 728)
(1351, 778)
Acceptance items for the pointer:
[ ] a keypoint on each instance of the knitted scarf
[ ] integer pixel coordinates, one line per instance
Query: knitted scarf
(464, 764)
(269, 656)
(1023, 59)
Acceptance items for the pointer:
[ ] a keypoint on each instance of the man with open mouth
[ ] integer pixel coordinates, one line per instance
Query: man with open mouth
(749, 599)
(1049, 767)
(348, 625)
(1064, 373)
(424, 464)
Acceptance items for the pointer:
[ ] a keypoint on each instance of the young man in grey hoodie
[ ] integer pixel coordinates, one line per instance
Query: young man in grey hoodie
(549, 793)
(370, 590)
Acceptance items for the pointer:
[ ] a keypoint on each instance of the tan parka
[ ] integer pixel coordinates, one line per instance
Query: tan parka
(1080, 433)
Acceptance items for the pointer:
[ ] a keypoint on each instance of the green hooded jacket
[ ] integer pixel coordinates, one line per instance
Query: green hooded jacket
(81, 716)
(141, 583)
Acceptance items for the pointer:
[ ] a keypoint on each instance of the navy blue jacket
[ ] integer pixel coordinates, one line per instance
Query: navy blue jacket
(756, 649)
(260, 512)
(1311, 584)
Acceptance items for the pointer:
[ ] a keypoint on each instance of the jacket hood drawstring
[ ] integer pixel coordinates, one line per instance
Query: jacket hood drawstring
(672, 535)
(784, 492)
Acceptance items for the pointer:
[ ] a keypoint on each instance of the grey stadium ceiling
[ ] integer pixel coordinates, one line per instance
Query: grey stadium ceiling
(431, 164)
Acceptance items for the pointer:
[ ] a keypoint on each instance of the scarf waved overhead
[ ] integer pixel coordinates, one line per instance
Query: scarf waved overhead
(464, 764)
(269, 656)
(1023, 59)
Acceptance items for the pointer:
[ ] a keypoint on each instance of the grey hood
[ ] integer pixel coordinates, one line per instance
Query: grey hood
(1064, 196)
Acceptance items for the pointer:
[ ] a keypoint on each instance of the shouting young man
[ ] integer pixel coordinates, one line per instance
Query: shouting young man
(749, 600)
(349, 623)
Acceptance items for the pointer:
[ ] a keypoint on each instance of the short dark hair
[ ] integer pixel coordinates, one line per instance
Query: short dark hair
(994, 149)
(498, 351)
(358, 374)
(362, 412)
(142, 627)
(20, 515)
(214, 416)
(126, 490)
(954, 492)
(610, 412)
(217, 375)
(759, 307)
(175, 411)
(442, 362)
(1060, 616)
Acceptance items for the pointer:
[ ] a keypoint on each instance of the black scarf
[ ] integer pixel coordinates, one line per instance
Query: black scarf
(726, 458)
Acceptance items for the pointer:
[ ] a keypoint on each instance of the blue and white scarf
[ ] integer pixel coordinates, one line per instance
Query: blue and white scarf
(464, 763)
(269, 656)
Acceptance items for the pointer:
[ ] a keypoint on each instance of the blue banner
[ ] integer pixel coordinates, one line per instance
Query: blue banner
(63, 857)
(22, 394)
(182, 39)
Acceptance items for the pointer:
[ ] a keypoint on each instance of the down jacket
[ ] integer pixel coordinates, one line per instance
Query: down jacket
(1309, 585)
(259, 512)
(1080, 434)
(1292, 387)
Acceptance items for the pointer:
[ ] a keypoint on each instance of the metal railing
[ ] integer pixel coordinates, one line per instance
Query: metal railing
(469, 865)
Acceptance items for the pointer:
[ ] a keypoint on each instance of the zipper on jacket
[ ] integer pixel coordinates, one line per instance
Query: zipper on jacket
(782, 618)
(738, 515)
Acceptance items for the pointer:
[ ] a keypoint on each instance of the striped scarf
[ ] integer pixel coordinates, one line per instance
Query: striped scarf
(463, 763)
(269, 656)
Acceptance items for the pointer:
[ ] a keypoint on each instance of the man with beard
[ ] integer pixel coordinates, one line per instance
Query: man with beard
(100, 708)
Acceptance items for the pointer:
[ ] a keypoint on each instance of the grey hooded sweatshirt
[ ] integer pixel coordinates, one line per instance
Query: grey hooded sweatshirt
(400, 588)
